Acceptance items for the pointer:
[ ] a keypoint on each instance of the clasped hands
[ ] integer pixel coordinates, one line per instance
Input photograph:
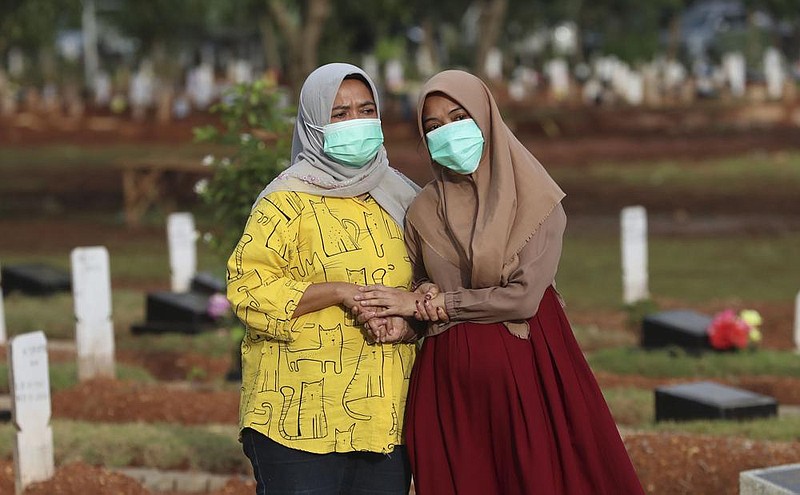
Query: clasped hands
(383, 310)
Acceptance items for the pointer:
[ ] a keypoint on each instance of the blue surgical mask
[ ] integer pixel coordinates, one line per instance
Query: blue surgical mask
(457, 146)
(353, 142)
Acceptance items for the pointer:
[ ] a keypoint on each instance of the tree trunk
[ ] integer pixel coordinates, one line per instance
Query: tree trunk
(269, 43)
(673, 44)
(301, 36)
(493, 14)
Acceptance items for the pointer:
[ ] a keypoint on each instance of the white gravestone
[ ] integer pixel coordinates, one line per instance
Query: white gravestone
(2, 316)
(200, 85)
(494, 64)
(797, 322)
(558, 72)
(29, 383)
(182, 239)
(735, 72)
(94, 330)
(634, 88)
(774, 73)
(634, 254)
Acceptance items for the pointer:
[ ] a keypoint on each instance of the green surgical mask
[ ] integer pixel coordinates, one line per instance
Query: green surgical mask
(353, 142)
(457, 146)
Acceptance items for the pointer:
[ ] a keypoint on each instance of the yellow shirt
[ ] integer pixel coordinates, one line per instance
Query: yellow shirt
(313, 383)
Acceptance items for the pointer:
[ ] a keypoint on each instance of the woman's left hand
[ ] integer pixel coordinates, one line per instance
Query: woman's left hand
(387, 301)
(389, 330)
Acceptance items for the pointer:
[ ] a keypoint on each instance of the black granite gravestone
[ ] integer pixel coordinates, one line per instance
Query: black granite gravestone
(184, 312)
(35, 279)
(709, 400)
(207, 283)
(682, 328)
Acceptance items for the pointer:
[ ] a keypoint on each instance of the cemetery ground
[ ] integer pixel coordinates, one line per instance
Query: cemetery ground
(724, 221)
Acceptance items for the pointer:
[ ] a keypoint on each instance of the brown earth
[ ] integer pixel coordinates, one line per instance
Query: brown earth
(667, 463)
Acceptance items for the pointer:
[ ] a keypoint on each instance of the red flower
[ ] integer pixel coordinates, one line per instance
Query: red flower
(728, 331)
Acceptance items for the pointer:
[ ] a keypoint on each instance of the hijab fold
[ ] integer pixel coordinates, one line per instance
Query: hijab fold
(312, 171)
(489, 215)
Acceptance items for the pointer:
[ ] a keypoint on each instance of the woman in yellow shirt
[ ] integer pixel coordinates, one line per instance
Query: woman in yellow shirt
(322, 405)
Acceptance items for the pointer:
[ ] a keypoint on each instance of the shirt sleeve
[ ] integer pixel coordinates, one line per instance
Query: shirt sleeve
(414, 248)
(519, 299)
(260, 288)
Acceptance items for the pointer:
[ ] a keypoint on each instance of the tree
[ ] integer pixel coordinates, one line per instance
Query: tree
(32, 24)
(301, 25)
(492, 20)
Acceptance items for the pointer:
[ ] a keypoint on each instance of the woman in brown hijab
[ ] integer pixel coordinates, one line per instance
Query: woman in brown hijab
(501, 400)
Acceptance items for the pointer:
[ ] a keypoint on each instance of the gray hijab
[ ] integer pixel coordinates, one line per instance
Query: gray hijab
(313, 172)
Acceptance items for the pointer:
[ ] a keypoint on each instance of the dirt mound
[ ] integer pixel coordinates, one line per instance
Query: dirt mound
(111, 401)
(673, 464)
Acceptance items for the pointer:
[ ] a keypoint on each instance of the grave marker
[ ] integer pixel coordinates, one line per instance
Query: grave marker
(710, 400)
(94, 331)
(775, 480)
(678, 327)
(735, 71)
(493, 66)
(558, 72)
(29, 383)
(634, 254)
(182, 239)
(35, 279)
(774, 73)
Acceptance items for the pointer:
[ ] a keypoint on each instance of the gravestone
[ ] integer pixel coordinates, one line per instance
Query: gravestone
(182, 240)
(2, 314)
(634, 254)
(797, 322)
(94, 331)
(185, 312)
(35, 279)
(200, 85)
(774, 73)
(394, 76)
(634, 88)
(141, 92)
(775, 480)
(709, 400)
(558, 72)
(29, 383)
(16, 62)
(735, 72)
(206, 283)
(493, 66)
(679, 327)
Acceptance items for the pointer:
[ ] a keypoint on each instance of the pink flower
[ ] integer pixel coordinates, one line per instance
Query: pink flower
(218, 306)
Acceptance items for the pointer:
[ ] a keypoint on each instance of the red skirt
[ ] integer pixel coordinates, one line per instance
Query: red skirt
(490, 413)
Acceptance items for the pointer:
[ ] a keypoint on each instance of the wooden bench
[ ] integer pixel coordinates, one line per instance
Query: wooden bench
(149, 183)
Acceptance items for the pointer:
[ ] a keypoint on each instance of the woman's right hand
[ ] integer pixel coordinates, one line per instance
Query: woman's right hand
(382, 301)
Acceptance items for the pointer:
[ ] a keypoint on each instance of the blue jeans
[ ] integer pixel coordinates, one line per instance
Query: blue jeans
(280, 470)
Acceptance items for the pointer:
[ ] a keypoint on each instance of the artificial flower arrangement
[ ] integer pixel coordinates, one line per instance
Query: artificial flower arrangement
(218, 306)
(731, 331)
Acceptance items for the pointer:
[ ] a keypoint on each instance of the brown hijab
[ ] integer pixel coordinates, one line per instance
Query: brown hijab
(489, 215)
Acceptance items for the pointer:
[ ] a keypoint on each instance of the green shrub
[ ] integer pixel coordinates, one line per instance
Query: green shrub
(256, 124)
